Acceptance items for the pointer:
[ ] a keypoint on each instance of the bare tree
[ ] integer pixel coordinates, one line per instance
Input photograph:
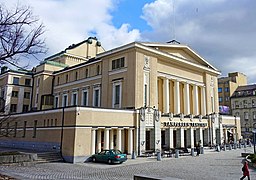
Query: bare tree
(20, 34)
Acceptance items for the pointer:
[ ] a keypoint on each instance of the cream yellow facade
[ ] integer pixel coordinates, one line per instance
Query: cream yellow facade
(137, 97)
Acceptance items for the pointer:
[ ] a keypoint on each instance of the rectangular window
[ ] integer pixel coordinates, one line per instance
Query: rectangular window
(253, 103)
(117, 94)
(118, 63)
(85, 98)
(56, 102)
(96, 97)
(27, 95)
(34, 129)
(236, 104)
(51, 122)
(27, 82)
(254, 115)
(38, 82)
(226, 89)
(74, 99)
(13, 108)
(24, 129)
(36, 98)
(56, 121)
(65, 100)
(220, 99)
(245, 103)
(219, 90)
(15, 93)
(226, 98)
(16, 80)
(246, 116)
(0, 128)
(25, 108)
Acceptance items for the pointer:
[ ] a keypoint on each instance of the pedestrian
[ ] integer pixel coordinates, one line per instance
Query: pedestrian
(245, 170)
(198, 147)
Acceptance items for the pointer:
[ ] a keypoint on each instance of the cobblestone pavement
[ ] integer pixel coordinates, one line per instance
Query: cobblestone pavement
(225, 165)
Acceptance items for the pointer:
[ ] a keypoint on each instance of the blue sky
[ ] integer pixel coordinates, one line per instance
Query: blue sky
(221, 31)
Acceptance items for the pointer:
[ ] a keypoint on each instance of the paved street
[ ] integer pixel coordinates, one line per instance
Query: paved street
(211, 165)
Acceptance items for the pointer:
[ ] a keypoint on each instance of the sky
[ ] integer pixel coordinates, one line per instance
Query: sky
(221, 31)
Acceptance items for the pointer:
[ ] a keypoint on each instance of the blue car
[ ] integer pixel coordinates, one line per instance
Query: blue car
(109, 156)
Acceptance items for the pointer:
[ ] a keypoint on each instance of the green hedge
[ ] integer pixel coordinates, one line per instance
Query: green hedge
(252, 157)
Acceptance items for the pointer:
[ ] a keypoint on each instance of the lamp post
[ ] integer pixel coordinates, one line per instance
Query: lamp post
(254, 139)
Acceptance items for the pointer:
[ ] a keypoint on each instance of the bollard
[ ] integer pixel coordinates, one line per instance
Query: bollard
(235, 146)
(202, 150)
(159, 156)
(192, 152)
(133, 155)
(218, 148)
(224, 148)
(239, 145)
(177, 153)
(230, 147)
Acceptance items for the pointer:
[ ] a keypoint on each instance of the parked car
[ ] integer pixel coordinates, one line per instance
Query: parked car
(109, 156)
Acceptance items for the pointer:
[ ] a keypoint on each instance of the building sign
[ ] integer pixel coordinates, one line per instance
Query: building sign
(183, 124)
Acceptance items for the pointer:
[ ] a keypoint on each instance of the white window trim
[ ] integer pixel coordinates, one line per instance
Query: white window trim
(114, 93)
(72, 98)
(93, 101)
(85, 103)
(63, 105)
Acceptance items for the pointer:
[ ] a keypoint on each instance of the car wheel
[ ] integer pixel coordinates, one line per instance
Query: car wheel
(93, 159)
(109, 161)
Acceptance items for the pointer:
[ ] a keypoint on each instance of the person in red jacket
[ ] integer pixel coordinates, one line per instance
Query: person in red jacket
(245, 170)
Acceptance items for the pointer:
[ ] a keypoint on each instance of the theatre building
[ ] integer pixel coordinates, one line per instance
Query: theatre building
(137, 97)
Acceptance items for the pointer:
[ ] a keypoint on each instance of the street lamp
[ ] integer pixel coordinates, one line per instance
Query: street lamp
(254, 139)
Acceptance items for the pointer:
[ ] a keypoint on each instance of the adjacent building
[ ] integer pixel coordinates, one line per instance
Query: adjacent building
(243, 103)
(137, 97)
(226, 88)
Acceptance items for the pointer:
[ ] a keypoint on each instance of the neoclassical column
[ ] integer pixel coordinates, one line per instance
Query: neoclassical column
(203, 101)
(93, 135)
(226, 135)
(106, 139)
(180, 138)
(119, 139)
(171, 138)
(122, 140)
(98, 140)
(195, 100)
(111, 139)
(130, 141)
(176, 97)
(186, 99)
(166, 97)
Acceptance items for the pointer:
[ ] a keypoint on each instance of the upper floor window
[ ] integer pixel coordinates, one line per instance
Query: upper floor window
(246, 116)
(56, 102)
(58, 80)
(219, 90)
(98, 69)
(118, 63)
(226, 98)
(245, 103)
(76, 75)
(15, 93)
(65, 100)
(27, 82)
(85, 98)
(253, 103)
(16, 80)
(74, 99)
(96, 97)
(86, 73)
(254, 115)
(66, 78)
(236, 104)
(117, 92)
(226, 89)
(25, 108)
(38, 81)
(220, 99)
(13, 108)
(27, 95)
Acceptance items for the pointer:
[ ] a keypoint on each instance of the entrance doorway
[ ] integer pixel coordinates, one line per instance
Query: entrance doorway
(147, 140)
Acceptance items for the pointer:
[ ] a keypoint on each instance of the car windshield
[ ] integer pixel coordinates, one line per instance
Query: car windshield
(117, 152)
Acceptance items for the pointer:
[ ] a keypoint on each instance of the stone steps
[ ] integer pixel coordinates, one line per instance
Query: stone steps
(49, 157)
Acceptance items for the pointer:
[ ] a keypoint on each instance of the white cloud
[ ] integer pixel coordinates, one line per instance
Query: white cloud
(71, 21)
